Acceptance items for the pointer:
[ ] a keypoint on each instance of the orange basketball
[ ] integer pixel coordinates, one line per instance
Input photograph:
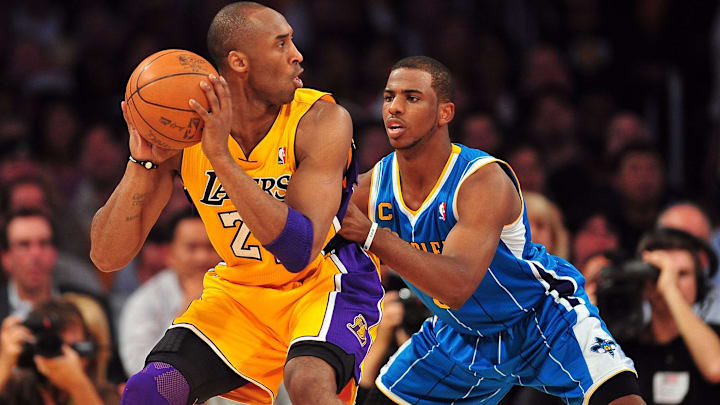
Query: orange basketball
(157, 97)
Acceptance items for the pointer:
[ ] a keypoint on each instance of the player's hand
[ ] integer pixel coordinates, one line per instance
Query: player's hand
(140, 148)
(355, 225)
(669, 273)
(218, 121)
(12, 336)
(65, 371)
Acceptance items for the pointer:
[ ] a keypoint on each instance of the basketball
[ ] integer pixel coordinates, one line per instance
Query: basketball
(157, 96)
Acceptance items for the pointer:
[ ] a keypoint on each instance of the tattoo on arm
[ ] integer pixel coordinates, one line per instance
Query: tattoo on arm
(139, 199)
(130, 218)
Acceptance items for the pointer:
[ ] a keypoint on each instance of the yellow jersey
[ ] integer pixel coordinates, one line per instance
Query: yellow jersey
(271, 164)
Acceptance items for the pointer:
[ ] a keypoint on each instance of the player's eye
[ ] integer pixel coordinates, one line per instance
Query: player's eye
(387, 99)
(413, 99)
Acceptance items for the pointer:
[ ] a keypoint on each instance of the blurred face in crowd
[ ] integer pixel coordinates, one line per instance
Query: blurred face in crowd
(529, 170)
(623, 129)
(410, 107)
(591, 270)
(640, 177)
(191, 252)
(27, 195)
(31, 255)
(688, 218)
(687, 282)
(479, 132)
(595, 236)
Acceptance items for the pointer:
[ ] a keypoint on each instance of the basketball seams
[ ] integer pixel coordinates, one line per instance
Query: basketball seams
(160, 79)
(146, 102)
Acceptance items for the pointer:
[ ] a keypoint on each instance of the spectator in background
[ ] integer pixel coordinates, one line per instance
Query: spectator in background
(31, 377)
(529, 168)
(102, 163)
(150, 310)
(689, 217)
(72, 264)
(678, 355)
(624, 128)
(639, 186)
(29, 256)
(480, 132)
(595, 234)
(547, 226)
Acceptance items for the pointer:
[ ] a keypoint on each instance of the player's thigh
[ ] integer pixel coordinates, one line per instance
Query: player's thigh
(577, 362)
(422, 372)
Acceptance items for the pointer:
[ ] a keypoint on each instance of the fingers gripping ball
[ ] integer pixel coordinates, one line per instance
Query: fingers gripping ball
(157, 97)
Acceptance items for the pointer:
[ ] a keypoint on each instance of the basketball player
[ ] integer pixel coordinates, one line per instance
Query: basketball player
(271, 180)
(505, 311)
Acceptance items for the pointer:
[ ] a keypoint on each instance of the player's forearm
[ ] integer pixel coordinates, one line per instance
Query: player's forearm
(701, 340)
(441, 277)
(263, 214)
(119, 228)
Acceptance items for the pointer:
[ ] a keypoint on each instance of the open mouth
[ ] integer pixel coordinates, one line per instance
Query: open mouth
(298, 82)
(394, 128)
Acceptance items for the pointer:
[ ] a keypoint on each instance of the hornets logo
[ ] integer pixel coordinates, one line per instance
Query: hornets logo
(604, 346)
(359, 328)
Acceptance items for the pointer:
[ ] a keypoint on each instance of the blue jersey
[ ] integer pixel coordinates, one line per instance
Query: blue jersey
(522, 275)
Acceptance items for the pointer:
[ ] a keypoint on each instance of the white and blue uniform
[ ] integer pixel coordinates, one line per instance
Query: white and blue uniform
(528, 323)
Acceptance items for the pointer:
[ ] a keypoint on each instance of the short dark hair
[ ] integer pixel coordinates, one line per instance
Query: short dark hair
(675, 239)
(442, 80)
(639, 146)
(229, 28)
(25, 213)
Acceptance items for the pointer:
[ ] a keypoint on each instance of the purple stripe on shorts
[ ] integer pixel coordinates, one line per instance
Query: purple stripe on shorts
(356, 305)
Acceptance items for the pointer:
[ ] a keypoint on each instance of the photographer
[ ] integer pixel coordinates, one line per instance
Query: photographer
(677, 355)
(45, 359)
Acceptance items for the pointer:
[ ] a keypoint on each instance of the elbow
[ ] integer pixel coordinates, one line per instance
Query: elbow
(712, 375)
(103, 263)
(456, 299)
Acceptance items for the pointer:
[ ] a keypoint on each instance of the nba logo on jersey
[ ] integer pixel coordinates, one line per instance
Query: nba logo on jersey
(282, 152)
(442, 211)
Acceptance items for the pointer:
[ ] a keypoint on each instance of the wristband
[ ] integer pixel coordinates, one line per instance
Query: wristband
(370, 237)
(144, 163)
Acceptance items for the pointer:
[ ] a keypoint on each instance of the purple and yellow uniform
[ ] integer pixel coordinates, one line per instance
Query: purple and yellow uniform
(253, 309)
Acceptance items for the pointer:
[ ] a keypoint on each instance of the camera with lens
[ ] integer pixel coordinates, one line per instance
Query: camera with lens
(48, 342)
(415, 311)
(620, 296)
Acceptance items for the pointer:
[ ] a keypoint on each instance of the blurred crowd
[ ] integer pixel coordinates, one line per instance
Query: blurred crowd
(608, 111)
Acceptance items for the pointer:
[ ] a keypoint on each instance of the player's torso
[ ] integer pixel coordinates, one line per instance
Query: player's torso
(271, 164)
(517, 278)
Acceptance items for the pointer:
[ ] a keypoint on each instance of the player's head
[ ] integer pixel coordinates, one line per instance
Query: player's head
(418, 101)
(254, 42)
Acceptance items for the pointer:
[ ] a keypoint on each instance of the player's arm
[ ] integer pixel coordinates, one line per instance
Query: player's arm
(120, 227)
(361, 192)
(295, 230)
(487, 201)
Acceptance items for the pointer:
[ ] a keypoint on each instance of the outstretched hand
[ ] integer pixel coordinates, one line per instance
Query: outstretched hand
(218, 121)
(140, 148)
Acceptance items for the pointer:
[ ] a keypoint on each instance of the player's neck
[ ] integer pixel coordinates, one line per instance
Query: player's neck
(420, 168)
(252, 120)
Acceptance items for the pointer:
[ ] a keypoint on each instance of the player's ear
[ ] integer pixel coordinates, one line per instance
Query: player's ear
(237, 61)
(446, 113)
